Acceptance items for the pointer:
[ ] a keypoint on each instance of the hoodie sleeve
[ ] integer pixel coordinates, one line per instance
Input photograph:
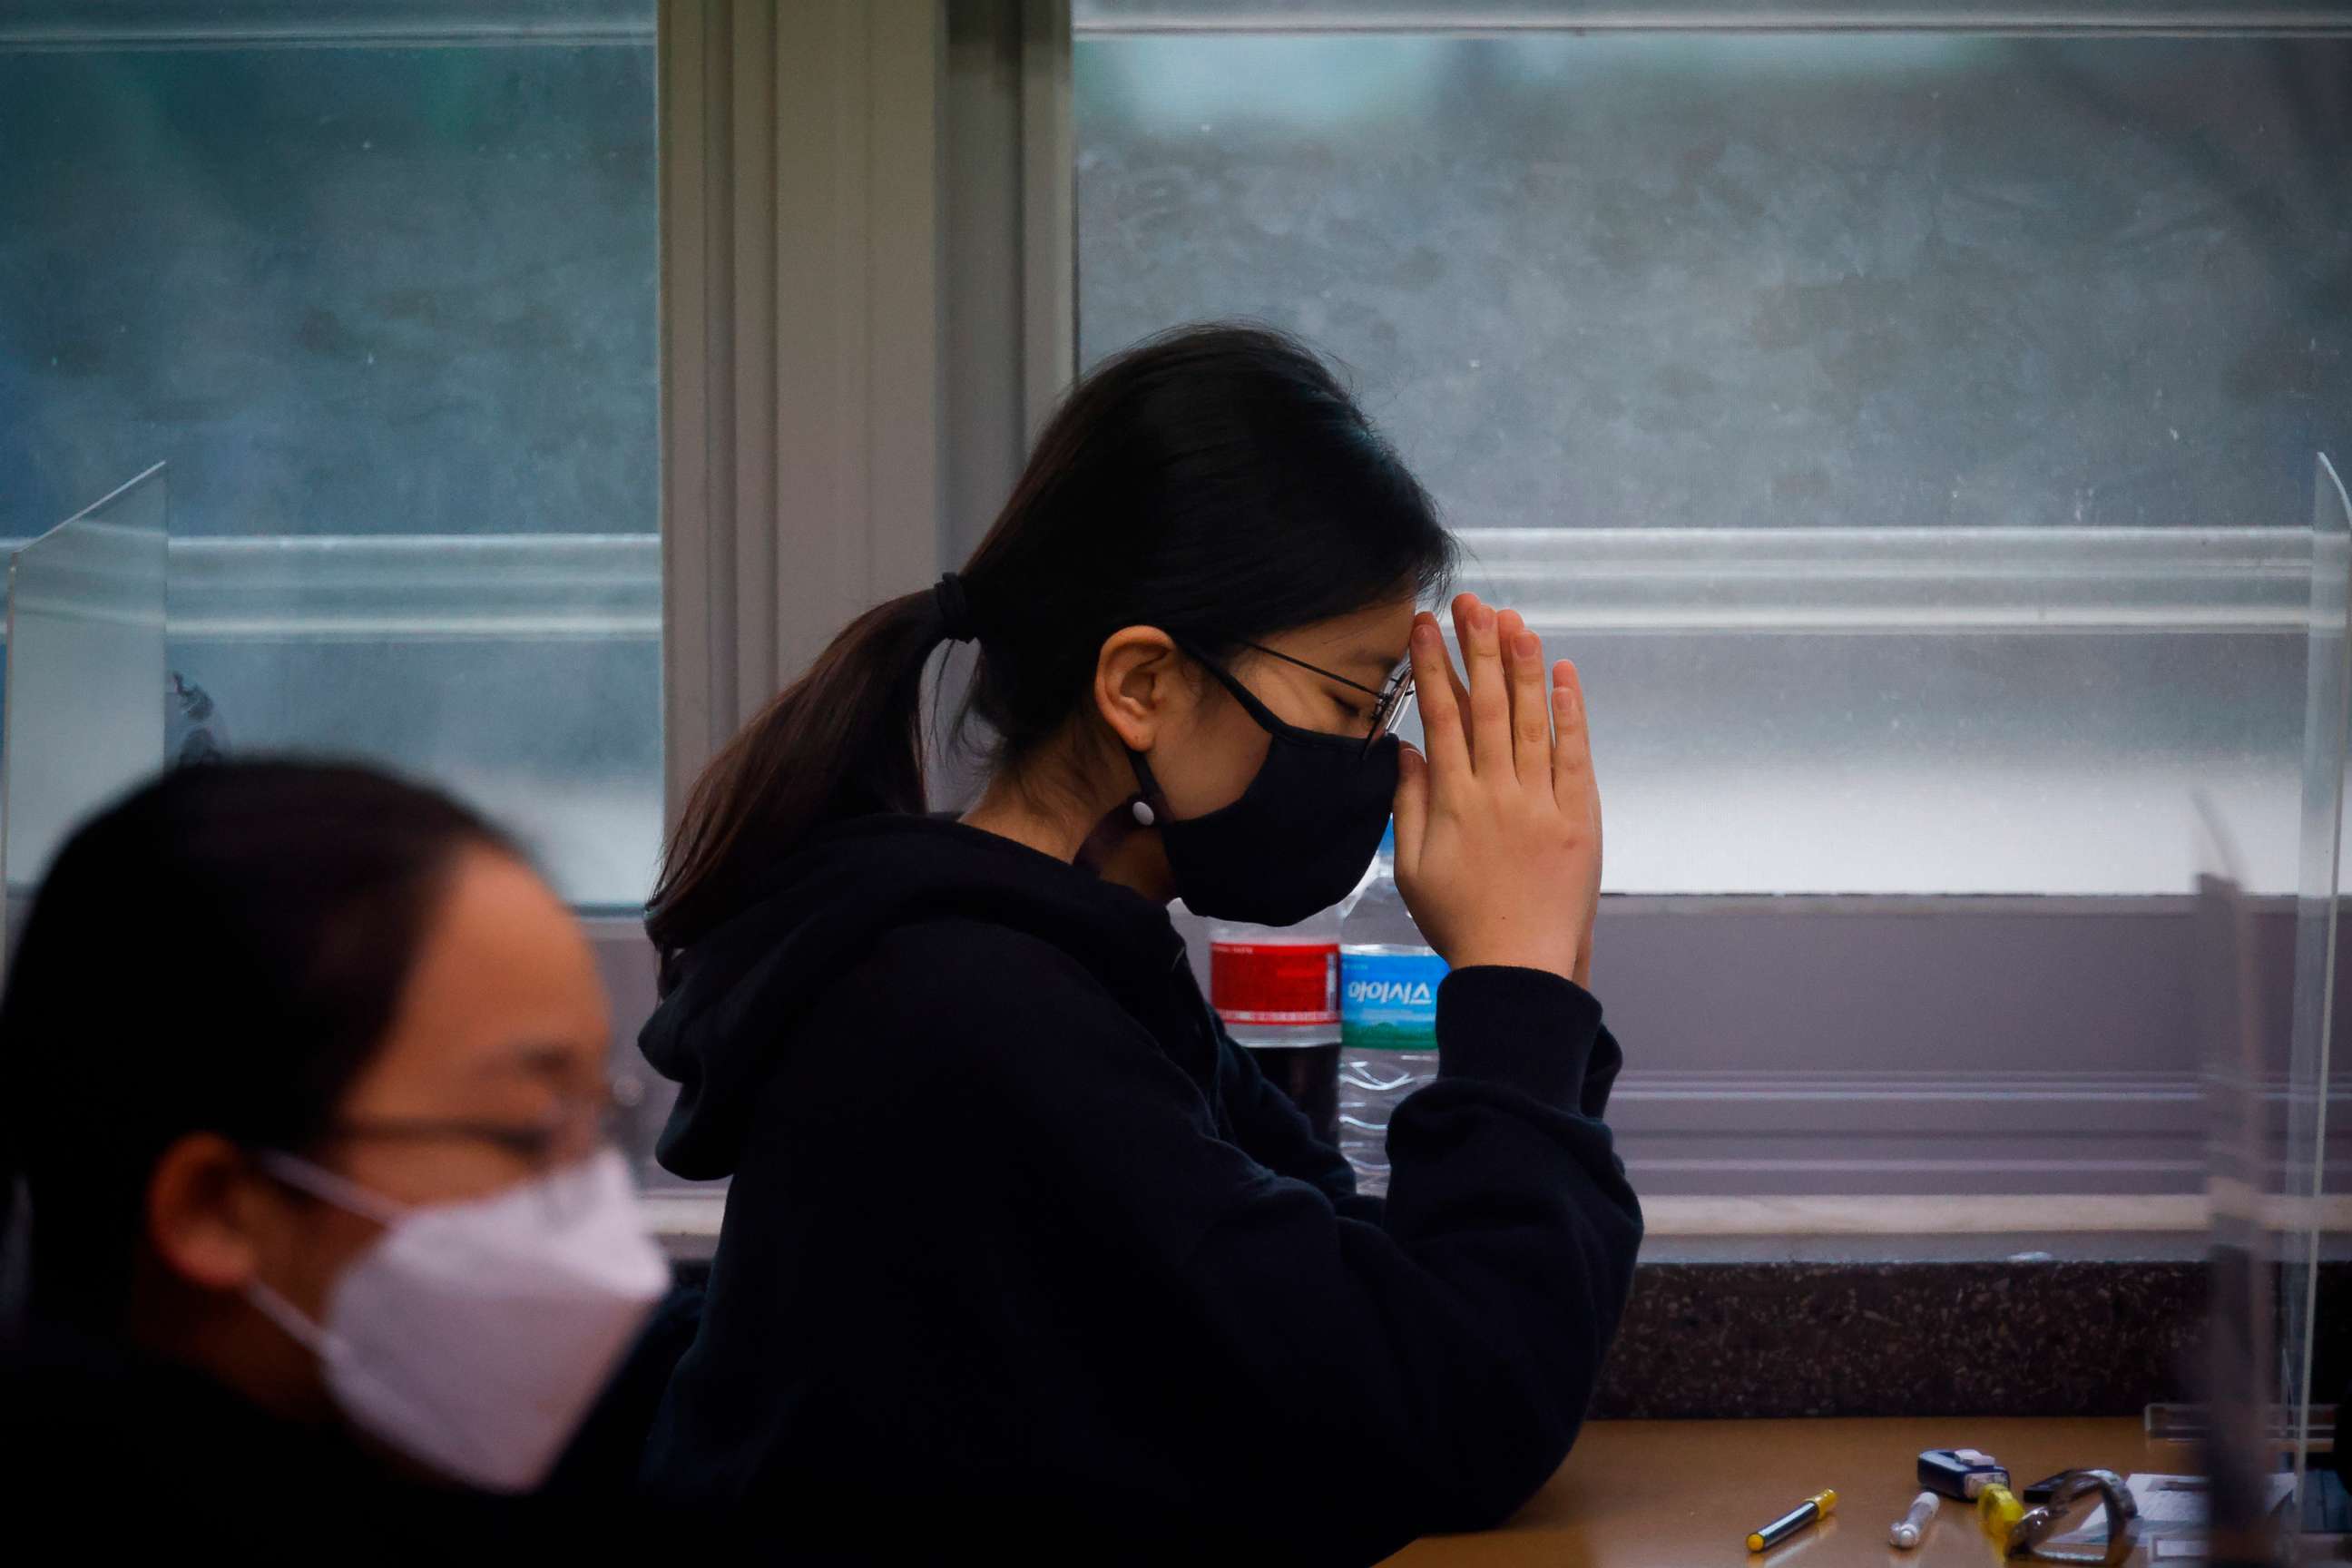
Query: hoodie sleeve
(1272, 1132)
(1432, 1369)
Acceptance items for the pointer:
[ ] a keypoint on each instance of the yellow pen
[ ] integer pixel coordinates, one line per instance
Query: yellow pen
(1818, 1506)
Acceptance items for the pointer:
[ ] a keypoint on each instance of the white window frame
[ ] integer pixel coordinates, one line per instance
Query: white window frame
(869, 305)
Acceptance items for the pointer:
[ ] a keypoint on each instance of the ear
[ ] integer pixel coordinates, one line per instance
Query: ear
(205, 1211)
(1138, 685)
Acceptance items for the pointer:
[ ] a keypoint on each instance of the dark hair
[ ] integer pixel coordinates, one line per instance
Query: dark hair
(1216, 482)
(222, 951)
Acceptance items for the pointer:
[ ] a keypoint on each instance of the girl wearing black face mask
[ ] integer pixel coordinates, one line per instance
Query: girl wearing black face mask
(1017, 1239)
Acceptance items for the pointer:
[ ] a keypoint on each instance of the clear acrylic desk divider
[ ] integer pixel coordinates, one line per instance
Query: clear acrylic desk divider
(2316, 1072)
(2225, 1430)
(2266, 1065)
(83, 714)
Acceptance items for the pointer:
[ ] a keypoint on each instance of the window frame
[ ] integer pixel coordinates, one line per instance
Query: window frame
(965, 277)
(867, 307)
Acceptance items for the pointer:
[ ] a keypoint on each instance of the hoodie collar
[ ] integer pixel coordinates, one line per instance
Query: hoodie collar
(740, 992)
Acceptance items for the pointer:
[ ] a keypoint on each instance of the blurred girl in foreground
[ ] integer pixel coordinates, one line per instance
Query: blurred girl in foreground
(305, 1073)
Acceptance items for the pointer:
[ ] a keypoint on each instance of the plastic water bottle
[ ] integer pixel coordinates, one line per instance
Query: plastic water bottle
(1388, 1015)
(1277, 990)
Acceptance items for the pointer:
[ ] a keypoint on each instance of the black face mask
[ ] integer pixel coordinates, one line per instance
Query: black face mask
(1299, 837)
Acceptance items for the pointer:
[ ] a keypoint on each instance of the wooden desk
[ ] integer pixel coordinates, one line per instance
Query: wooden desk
(1685, 1494)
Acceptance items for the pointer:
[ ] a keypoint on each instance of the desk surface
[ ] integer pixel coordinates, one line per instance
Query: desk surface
(1685, 1494)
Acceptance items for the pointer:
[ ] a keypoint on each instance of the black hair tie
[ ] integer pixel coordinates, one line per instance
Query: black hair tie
(955, 609)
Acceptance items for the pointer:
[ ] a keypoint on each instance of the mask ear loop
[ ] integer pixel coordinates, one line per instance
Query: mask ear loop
(1135, 811)
(330, 1188)
(1266, 717)
(327, 1187)
(288, 1319)
(1147, 807)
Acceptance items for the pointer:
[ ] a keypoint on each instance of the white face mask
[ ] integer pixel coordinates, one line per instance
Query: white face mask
(474, 1336)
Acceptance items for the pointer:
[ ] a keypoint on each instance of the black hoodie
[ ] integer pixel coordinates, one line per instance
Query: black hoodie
(1023, 1253)
(115, 1456)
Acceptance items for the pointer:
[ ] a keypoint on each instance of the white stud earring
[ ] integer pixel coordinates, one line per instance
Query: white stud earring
(1143, 813)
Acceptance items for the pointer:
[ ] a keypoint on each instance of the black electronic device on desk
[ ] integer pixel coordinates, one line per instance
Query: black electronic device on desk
(1961, 1474)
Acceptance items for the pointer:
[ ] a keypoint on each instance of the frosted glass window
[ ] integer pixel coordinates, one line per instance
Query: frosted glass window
(378, 282)
(1911, 433)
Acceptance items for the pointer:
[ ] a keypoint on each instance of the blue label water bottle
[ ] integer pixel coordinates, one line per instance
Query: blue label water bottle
(1388, 1015)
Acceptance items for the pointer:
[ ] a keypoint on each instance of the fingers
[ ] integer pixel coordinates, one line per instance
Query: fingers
(1474, 624)
(1440, 699)
(1530, 702)
(1460, 696)
(1571, 754)
(1411, 806)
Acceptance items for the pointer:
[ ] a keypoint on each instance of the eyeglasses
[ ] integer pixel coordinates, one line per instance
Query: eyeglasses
(573, 1130)
(559, 1150)
(2061, 1504)
(1389, 701)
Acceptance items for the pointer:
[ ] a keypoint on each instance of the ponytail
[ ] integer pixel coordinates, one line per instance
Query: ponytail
(844, 740)
(1217, 482)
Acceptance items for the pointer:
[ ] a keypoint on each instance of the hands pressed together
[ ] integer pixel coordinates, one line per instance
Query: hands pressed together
(1498, 824)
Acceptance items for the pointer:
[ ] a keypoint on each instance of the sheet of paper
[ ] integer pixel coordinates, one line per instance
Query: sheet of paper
(2169, 1506)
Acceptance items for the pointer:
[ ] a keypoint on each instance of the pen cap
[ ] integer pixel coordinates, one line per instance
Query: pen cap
(1826, 1501)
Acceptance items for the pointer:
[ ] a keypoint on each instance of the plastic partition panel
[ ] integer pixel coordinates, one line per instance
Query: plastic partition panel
(84, 708)
(2304, 1180)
